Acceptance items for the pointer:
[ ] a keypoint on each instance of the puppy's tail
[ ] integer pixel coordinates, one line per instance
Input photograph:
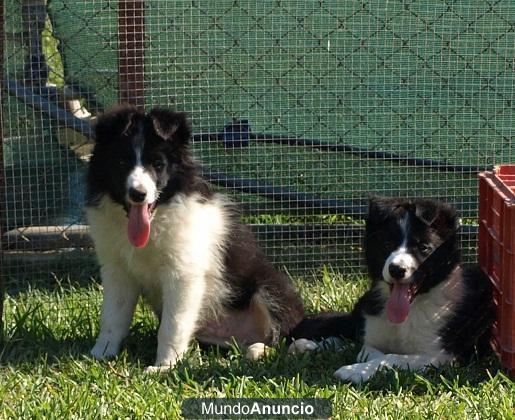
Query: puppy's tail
(329, 324)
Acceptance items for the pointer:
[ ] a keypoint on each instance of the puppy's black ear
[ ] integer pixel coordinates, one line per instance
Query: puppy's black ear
(378, 209)
(446, 218)
(114, 123)
(436, 214)
(171, 125)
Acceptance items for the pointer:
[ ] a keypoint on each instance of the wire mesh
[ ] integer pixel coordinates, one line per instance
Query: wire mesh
(300, 109)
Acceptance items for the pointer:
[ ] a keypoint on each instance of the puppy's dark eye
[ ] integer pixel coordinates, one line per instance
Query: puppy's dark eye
(388, 245)
(122, 161)
(424, 249)
(158, 164)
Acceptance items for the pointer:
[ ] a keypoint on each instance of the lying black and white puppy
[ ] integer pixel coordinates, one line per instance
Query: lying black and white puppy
(161, 232)
(423, 308)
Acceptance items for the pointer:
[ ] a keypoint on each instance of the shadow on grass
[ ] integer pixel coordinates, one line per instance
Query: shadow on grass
(215, 367)
(47, 274)
(27, 347)
(315, 369)
(29, 338)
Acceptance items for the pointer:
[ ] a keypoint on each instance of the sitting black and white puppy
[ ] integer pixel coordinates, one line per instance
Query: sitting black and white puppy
(161, 232)
(423, 308)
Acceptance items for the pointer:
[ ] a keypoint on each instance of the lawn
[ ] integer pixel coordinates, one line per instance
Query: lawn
(432, 82)
(46, 371)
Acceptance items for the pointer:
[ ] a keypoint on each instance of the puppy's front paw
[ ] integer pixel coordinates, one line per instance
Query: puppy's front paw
(161, 367)
(104, 349)
(256, 351)
(357, 373)
(302, 345)
(158, 369)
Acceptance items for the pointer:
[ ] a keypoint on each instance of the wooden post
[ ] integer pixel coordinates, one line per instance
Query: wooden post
(131, 52)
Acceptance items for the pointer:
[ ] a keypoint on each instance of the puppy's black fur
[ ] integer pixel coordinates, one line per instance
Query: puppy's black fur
(432, 246)
(155, 147)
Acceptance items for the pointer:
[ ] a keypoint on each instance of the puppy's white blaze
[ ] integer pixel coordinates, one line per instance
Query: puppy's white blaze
(141, 180)
(137, 150)
(401, 257)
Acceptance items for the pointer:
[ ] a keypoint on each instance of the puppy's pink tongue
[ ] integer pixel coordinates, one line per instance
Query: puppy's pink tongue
(397, 306)
(139, 225)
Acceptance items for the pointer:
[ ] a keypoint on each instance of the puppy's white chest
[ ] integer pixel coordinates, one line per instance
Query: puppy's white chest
(184, 251)
(420, 333)
(108, 228)
(412, 336)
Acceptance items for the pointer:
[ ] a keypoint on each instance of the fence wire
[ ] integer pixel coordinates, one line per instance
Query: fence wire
(301, 110)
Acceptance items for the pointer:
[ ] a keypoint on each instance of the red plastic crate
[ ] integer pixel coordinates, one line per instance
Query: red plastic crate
(497, 254)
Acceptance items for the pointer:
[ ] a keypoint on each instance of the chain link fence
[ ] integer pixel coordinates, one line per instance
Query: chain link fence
(300, 109)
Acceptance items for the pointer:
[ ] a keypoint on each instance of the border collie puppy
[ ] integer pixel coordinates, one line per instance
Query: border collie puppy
(161, 232)
(423, 308)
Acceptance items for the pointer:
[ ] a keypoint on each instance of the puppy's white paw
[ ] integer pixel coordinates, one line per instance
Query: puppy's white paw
(256, 351)
(302, 345)
(104, 349)
(158, 369)
(357, 373)
(161, 367)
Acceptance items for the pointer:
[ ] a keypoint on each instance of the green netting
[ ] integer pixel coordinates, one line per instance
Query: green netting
(423, 80)
(427, 80)
(88, 43)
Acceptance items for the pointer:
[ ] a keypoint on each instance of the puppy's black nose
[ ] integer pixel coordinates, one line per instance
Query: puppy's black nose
(396, 271)
(138, 196)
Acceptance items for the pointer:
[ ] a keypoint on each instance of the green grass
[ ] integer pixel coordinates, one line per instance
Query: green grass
(46, 371)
